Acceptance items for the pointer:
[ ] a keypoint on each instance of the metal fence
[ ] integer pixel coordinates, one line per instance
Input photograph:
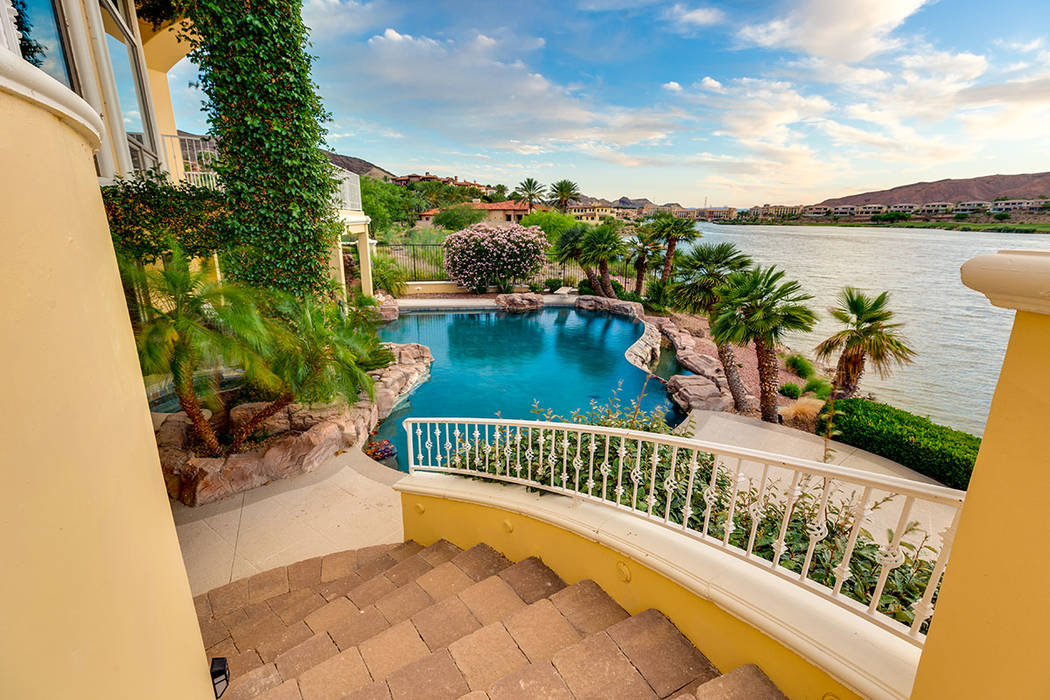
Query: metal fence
(425, 262)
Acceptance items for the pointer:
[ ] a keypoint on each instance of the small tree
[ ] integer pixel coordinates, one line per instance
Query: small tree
(553, 223)
(562, 192)
(459, 217)
(486, 254)
(529, 191)
(599, 246)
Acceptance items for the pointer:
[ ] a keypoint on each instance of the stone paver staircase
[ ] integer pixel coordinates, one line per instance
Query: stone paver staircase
(395, 622)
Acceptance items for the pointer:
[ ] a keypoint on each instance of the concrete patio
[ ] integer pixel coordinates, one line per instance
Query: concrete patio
(347, 503)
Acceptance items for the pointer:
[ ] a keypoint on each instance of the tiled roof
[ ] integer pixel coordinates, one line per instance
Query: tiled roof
(509, 205)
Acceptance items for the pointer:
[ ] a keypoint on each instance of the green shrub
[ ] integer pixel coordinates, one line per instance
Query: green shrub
(388, 275)
(1002, 216)
(799, 365)
(918, 443)
(819, 387)
(536, 287)
(961, 216)
(791, 390)
(553, 284)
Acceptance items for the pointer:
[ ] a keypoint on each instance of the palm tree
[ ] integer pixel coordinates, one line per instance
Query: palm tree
(569, 249)
(672, 230)
(316, 356)
(600, 245)
(868, 335)
(701, 274)
(529, 190)
(562, 192)
(756, 306)
(193, 323)
(642, 250)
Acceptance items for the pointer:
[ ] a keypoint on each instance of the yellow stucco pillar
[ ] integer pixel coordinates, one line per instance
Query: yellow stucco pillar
(364, 250)
(97, 602)
(989, 635)
(335, 268)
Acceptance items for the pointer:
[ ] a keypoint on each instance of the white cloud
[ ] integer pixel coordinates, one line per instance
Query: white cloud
(817, 69)
(330, 19)
(479, 92)
(843, 32)
(709, 83)
(693, 17)
(672, 86)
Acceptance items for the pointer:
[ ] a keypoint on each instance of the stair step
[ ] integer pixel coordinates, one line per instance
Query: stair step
(404, 621)
(742, 683)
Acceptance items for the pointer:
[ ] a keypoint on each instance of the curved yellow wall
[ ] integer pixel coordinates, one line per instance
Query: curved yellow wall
(96, 599)
(724, 639)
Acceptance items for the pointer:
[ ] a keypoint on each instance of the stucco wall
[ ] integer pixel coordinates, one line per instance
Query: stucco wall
(97, 603)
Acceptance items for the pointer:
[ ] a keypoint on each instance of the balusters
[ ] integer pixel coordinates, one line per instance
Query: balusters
(591, 448)
(670, 483)
(923, 608)
(780, 545)
(651, 499)
(860, 511)
(817, 529)
(756, 510)
(687, 509)
(730, 525)
(429, 445)
(710, 493)
(577, 463)
(891, 556)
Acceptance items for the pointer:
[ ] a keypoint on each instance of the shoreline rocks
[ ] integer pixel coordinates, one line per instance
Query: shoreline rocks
(305, 435)
(388, 309)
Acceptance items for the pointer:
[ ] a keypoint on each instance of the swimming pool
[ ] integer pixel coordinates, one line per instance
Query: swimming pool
(489, 362)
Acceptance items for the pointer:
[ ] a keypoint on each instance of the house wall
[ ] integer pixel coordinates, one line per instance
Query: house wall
(98, 604)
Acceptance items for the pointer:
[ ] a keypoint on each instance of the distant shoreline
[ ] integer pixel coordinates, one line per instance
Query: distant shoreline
(1024, 227)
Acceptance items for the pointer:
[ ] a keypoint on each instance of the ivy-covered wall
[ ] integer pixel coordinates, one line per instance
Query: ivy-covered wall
(267, 117)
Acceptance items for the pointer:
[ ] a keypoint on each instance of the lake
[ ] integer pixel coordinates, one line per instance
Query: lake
(959, 336)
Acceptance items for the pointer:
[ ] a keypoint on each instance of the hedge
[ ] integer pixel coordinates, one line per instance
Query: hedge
(918, 443)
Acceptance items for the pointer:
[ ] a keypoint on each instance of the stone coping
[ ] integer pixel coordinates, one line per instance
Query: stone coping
(872, 661)
(1012, 279)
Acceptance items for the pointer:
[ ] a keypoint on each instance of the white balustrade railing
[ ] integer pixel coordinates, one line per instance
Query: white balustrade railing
(875, 544)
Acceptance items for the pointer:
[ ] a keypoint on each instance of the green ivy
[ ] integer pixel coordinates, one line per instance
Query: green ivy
(147, 212)
(267, 118)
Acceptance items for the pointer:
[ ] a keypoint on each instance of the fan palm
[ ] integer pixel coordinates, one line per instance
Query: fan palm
(672, 230)
(701, 274)
(756, 305)
(600, 245)
(317, 355)
(642, 250)
(194, 323)
(562, 192)
(869, 334)
(570, 248)
(530, 191)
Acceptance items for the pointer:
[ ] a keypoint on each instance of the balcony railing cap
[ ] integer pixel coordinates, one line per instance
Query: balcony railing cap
(1012, 279)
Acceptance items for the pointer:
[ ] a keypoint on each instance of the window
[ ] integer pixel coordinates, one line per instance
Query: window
(40, 38)
(129, 77)
(509, 217)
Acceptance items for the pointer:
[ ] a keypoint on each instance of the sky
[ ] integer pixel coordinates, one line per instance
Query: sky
(724, 103)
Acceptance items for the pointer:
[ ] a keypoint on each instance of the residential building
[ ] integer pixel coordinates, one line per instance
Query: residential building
(972, 207)
(816, 210)
(716, 213)
(593, 213)
(903, 208)
(775, 211)
(871, 209)
(1015, 205)
(935, 208)
(508, 212)
(406, 180)
(844, 210)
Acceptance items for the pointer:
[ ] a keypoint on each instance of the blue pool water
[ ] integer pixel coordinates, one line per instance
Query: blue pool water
(489, 362)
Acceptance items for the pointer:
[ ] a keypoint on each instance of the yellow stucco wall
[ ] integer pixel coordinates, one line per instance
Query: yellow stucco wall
(96, 599)
(988, 638)
(724, 639)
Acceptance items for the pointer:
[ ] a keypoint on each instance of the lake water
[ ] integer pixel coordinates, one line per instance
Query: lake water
(490, 362)
(959, 336)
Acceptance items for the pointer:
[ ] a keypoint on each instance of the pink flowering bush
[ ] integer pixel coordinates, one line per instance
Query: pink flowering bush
(494, 254)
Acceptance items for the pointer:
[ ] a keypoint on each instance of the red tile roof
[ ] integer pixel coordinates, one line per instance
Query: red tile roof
(509, 205)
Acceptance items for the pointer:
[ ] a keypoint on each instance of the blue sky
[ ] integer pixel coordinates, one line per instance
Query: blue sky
(736, 103)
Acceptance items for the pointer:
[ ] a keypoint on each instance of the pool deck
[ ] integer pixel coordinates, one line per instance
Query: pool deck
(347, 503)
(471, 303)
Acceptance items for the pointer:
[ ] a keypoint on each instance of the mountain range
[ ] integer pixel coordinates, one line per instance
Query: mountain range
(974, 189)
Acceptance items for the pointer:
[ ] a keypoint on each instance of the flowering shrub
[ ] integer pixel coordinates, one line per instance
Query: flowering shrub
(488, 254)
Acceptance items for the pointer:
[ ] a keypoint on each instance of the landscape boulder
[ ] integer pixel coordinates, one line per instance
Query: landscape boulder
(697, 392)
(519, 302)
(388, 309)
(632, 309)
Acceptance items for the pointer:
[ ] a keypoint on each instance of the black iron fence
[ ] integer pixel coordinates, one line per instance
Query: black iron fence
(425, 262)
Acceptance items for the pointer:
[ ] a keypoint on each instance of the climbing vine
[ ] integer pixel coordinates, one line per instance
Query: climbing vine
(267, 118)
